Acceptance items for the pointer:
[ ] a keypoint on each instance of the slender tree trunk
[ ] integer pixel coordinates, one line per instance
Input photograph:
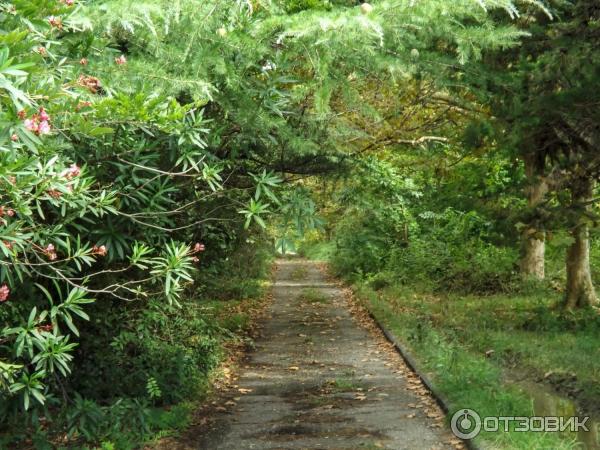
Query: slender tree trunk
(533, 245)
(580, 289)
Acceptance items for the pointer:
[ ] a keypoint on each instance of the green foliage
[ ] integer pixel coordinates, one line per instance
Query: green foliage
(294, 6)
(149, 149)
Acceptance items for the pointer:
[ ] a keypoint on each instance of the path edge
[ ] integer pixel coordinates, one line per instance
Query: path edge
(440, 398)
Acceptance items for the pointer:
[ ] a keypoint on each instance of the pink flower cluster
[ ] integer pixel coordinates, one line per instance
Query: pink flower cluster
(100, 251)
(39, 123)
(92, 84)
(198, 248)
(6, 211)
(121, 60)
(4, 292)
(68, 2)
(55, 22)
(54, 193)
(73, 171)
(50, 252)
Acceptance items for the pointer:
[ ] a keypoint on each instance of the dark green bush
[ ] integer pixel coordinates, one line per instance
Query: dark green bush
(177, 351)
(445, 252)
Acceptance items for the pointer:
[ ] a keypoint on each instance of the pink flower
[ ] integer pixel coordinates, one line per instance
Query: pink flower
(4, 291)
(50, 252)
(44, 128)
(42, 51)
(69, 2)
(195, 259)
(74, 170)
(22, 114)
(198, 247)
(31, 125)
(39, 123)
(83, 61)
(55, 22)
(43, 114)
(8, 244)
(100, 251)
(54, 193)
(91, 83)
(14, 138)
(8, 211)
(121, 60)
(48, 328)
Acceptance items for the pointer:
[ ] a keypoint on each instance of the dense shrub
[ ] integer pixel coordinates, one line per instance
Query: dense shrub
(112, 195)
(445, 251)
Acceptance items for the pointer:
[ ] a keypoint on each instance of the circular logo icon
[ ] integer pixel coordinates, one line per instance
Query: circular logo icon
(465, 423)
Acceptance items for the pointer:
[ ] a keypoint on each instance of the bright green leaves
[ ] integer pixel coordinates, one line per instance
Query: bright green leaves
(265, 183)
(41, 346)
(174, 267)
(211, 174)
(11, 77)
(297, 216)
(254, 212)
(153, 389)
(256, 209)
(70, 306)
(53, 354)
(29, 386)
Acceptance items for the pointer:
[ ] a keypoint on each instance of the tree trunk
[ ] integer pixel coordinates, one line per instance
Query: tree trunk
(534, 250)
(580, 289)
(533, 245)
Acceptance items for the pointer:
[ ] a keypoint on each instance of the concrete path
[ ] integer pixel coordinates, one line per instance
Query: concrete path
(320, 380)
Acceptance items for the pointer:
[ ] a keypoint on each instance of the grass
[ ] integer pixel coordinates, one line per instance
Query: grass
(346, 384)
(299, 273)
(311, 295)
(468, 345)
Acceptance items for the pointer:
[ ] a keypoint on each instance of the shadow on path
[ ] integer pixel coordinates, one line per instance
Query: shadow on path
(318, 380)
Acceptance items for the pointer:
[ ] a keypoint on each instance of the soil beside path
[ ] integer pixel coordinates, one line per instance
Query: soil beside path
(318, 379)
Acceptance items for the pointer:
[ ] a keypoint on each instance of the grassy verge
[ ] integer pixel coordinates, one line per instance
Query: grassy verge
(240, 302)
(235, 319)
(472, 347)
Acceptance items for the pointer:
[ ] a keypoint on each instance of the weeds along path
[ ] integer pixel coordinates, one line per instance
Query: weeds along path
(320, 380)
